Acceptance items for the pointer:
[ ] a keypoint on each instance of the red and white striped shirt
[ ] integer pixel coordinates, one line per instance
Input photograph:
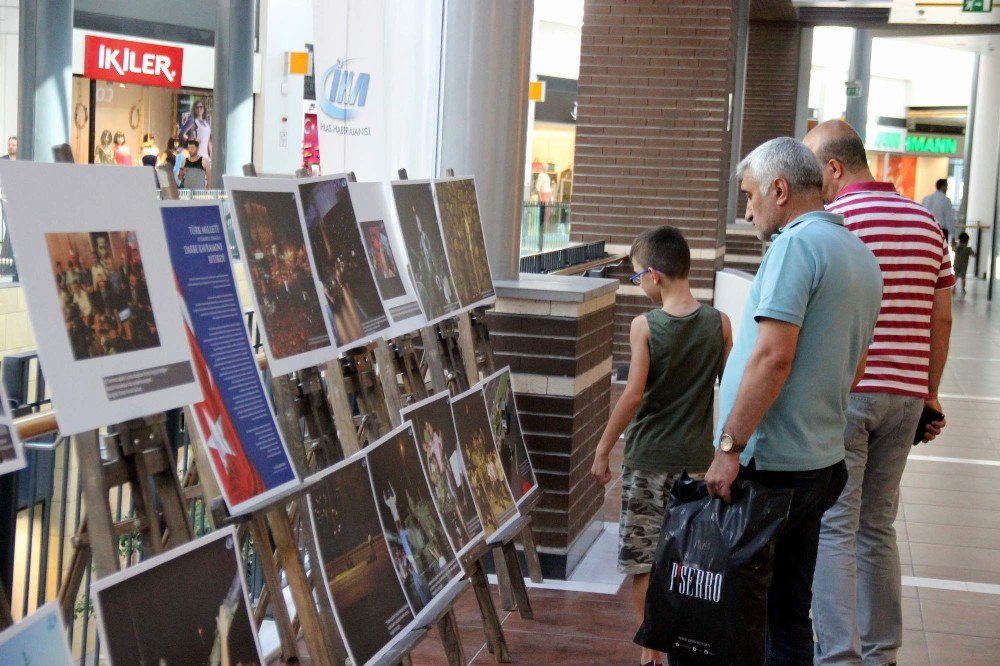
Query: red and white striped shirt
(915, 262)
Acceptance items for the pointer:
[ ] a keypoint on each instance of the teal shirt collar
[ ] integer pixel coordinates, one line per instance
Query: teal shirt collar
(820, 215)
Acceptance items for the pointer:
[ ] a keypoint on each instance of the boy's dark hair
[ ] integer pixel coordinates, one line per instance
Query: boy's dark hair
(192, 142)
(963, 237)
(941, 182)
(664, 249)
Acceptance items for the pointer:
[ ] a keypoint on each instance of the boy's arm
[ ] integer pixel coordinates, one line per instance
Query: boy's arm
(727, 338)
(628, 403)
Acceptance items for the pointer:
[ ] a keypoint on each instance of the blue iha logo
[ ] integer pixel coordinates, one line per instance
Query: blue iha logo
(344, 91)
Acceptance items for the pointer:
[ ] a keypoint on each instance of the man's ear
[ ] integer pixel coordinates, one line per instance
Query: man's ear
(837, 168)
(782, 192)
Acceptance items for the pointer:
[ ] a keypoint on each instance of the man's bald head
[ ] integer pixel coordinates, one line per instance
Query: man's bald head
(841, 154)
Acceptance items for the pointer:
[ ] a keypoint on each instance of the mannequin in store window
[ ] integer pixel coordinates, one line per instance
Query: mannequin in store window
(105, 153)
(149, 150)
(198, 127)
(197, 168)
(123, 154)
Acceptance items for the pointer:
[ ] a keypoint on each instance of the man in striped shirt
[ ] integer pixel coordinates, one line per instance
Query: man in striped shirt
(857, 608)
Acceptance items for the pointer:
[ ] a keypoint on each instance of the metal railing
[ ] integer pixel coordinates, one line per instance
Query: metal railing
(544, 227)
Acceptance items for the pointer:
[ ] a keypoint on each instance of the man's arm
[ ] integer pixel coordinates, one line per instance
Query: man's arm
(940, 338)
(859, 373)
(765, 374)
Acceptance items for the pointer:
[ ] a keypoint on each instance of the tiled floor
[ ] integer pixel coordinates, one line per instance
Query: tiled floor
(948, 531)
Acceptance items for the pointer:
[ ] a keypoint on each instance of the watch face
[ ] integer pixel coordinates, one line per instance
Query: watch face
(726, 443)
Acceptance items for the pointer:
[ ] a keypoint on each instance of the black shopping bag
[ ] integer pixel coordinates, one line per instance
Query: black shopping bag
(707, 597)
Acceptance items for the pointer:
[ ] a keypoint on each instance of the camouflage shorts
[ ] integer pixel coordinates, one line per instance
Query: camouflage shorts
(645, 497)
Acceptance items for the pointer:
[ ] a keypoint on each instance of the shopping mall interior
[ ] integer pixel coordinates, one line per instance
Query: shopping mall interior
(584, 123)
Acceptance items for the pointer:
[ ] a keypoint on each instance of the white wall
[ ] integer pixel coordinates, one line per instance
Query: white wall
(8, 70)
(285, 25)
(985, 144)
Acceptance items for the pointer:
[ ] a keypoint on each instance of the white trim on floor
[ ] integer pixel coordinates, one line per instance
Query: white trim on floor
(957, 585)
(966, 461)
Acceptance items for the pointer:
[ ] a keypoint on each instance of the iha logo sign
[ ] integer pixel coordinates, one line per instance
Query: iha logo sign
(110, 59)
(345, 92)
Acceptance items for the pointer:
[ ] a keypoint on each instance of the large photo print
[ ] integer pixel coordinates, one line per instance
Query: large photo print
(445, 469)
(489, 484)
(382, 259)
(103, 292)
(273, 247)
(420, 550)
(506, 424)
(357, 565)
(200, 615)
(425, 248)
(348, 287)
(464, 240)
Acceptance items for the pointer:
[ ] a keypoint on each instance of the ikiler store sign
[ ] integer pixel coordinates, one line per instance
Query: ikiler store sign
(124, 60)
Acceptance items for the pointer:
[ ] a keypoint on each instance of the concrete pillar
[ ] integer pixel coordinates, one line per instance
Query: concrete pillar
(232, 134)
(860, 71)
(45, 80)
(736, 108)
(985, 150)
(484, 106)
(805, 74)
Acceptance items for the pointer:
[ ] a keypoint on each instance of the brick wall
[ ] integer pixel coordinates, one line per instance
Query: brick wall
(769, 100)
(652, 145)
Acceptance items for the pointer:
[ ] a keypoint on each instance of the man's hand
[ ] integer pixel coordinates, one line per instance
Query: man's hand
(934, 428)
(725, 467)
(600, 469)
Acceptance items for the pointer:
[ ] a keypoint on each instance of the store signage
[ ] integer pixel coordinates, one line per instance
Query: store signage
(852, 88)
(890, 140)
(345, 91)
(977, 6)
(938, 145)
(110, 59)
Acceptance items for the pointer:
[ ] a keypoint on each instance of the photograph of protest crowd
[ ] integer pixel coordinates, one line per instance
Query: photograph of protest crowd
(445, 468)
(103, 292)
(420, 550)
(349, 291)
(489, 485)
(280, 273)
(200, 614)
(506, 426)
(382, 260)
(464, 240)
(358, 567)
(425, 248)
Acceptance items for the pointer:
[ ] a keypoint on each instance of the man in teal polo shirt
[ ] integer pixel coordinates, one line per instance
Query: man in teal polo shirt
(806, 327)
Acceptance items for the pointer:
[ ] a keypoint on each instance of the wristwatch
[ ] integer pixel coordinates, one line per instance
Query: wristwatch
(728, 445)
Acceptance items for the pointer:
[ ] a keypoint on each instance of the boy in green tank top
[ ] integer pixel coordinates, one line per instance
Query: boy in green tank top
(666, 410)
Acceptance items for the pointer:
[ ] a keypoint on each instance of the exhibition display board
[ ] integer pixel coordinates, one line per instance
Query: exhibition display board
(39, 638)
(139, 313)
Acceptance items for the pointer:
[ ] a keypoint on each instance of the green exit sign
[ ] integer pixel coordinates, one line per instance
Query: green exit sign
(977, 6)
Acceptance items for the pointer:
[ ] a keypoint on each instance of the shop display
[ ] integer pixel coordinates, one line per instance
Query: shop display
(110, 335)
(490, 489)
(384, 245)
(39, 639)
(123, 154)
(11, 448)
(282, 279)
(463, 240)
(421, 553)
(437, 443)
(194, 122)
(425, 248)
(351, 299)
(188, 605)
(105, 153)
(234, 417)
(367, 596)
(506, 425)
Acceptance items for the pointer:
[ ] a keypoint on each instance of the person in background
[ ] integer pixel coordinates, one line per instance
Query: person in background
(857, 604)
(544, 186)
(678, 351)
(149, 150)
(169, 156)
(806, 324)
(11, 149)
(962, 254)
(940, 207)
(197, 168)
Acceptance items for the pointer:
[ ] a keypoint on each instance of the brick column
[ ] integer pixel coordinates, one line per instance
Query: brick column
(555, 334)
(653, 138)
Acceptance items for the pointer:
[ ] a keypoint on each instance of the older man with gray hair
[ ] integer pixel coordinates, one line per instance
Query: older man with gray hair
(806, 326)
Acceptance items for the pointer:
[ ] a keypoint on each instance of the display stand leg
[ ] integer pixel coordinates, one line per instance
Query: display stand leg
(467, 347)
(433, 359)
(100, 529)
(298, 582)
(503, 580)
(517, 585)
(272, 579)
(343, 415)
(409, 364)
(451, 639)
(527, 539)
(496, 642)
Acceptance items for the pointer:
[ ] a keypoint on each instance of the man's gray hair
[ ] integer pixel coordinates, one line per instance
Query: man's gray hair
(786, 158)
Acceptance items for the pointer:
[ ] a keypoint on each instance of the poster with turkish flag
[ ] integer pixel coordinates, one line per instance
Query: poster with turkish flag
(129, 61)
(235, 420)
